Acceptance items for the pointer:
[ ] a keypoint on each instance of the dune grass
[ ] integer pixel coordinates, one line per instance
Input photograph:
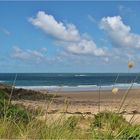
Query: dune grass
(16, 122)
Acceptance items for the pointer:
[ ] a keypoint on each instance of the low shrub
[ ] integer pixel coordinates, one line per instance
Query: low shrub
(15, 112)
(108, 119)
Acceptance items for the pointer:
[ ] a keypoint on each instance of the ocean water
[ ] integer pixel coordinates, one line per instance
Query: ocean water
(71, 81)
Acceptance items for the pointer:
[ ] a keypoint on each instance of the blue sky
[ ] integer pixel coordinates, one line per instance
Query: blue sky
(69, 36)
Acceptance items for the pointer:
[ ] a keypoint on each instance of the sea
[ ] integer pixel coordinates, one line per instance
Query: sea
(71, 81)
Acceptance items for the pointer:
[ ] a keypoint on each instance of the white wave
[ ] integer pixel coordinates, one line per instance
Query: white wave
(2, 81)
(38, 87)
(86, 86)
(79, 75)
(80, 87)
(127, 84)
(63, 88)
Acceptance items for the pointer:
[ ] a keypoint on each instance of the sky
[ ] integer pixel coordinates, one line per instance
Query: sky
(69, 36)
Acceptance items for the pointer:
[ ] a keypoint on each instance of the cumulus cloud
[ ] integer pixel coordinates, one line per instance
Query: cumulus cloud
(119, 34)
(26, 54)
(85, 47)
(67, 35)
(54, 28)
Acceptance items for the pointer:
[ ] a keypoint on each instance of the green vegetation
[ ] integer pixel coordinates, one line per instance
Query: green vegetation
(111, 120)
(111, 125)
(10, 111)
(17, 122)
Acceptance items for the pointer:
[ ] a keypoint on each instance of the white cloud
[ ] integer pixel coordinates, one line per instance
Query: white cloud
(27, 54)
(85, 46)
(44, 49)
(54, 28)
(120, 34)
(67, 35)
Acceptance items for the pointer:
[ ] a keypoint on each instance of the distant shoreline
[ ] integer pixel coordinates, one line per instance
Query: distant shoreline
(80, 88)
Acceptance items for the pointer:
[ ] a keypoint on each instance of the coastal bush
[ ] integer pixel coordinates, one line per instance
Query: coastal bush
(3, 95)
(110, 125)
(8, 110)
(18, 113)
(108, 119)
(3, 102)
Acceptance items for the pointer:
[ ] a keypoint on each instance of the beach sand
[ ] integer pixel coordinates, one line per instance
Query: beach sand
(87, 103)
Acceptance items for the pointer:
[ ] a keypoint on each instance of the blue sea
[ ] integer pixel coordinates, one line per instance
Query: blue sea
(71, 81)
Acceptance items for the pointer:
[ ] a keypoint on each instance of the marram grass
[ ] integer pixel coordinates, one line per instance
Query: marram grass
(18, 123)
(105, 125)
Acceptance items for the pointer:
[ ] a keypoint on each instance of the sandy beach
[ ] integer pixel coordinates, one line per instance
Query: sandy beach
(87, 103)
